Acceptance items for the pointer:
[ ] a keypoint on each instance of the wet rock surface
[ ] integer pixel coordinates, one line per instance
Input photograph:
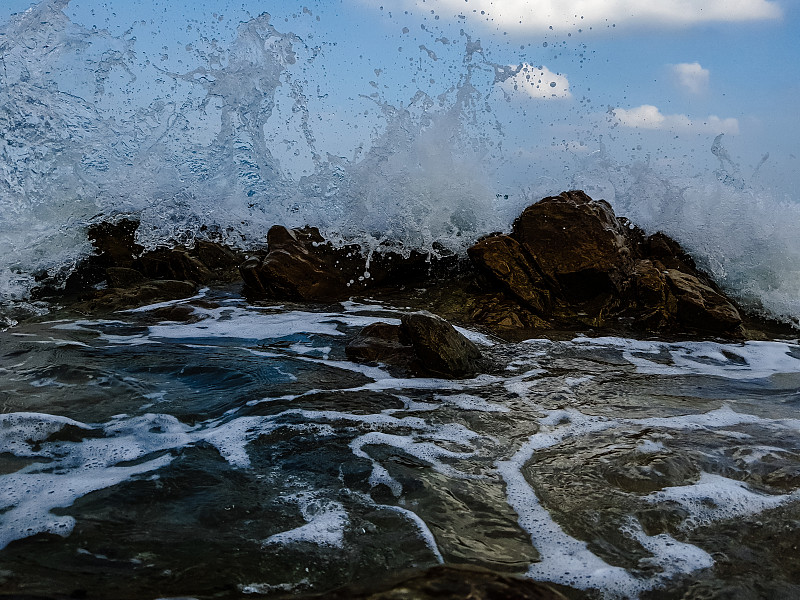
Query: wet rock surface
(449, 582)
(423, 344)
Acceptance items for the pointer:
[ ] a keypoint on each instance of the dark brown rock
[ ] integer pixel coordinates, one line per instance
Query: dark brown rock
(449, 582)
(292, 271)
(123, 277)
(503, 259)
(572, 262)
(115, 242)
(577, 242)
(440, 348)
(149, 292)
(381, 342)
(422, 345)
(172, 263)
(700, 306)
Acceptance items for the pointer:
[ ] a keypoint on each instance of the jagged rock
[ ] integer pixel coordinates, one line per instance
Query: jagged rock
(115, 243)
(423, 344)
(172, 263)
(448, 582)
(123, 277)
(577, 242)
(701, 306)
(149, 292)
(504, 258)
(571, 261)
(291, 271)
(301, 265)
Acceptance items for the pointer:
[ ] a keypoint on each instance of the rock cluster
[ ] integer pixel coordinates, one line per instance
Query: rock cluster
(570, 260)
(122, 274)
(301, 265)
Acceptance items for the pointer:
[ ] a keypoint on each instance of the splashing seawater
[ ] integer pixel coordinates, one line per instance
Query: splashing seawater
(239, 134)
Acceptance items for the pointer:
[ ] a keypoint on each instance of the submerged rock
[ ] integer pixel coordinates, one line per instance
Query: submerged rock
(423, 344)
(449, 582)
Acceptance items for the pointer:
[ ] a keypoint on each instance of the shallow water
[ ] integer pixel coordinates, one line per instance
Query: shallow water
(236, 451)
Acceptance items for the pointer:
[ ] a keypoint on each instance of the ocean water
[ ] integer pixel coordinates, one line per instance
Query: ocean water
(237, 451)
(215, 447)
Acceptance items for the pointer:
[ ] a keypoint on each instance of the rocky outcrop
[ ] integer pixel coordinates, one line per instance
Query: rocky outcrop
(569, 260)
(301, 265)
(122, 274)
(449, 582)
(423, 344)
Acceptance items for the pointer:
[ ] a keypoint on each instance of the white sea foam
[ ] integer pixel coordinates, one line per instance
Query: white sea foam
(714, 498)
(471, 402)
(744, 361)
(325, 523)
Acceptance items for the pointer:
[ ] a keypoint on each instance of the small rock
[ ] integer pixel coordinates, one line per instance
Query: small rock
(440, 348)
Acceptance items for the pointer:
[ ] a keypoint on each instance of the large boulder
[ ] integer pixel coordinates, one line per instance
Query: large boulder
(571, 261)
(578, 243)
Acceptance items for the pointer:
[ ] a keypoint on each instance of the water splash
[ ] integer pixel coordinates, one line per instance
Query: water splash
(235, 134)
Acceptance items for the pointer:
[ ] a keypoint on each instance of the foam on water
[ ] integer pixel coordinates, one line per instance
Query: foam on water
(325, 524)
(714, 498)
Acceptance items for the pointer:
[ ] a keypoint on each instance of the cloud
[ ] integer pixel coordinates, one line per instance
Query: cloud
(691, 77)
(534, 82)
(648, 116)
(540, 15)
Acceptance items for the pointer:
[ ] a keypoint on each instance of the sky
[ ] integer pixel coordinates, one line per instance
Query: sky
(654, 80)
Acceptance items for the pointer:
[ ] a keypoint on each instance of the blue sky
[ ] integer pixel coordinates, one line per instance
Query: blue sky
(658, 79)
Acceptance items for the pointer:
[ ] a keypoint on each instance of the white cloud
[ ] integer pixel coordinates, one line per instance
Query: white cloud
(691, 77)
(534, 15)
(534, 82)
(648, 116)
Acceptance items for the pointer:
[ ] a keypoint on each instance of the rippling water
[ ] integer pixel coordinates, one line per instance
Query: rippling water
(213, 447)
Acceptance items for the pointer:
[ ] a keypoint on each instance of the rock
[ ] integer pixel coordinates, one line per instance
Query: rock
(702, 307)
(383, 343)
(448, 582)
(301, 265)
(503, 258)
(577, 242)
(441, 349)
(291, 271)
(115, 242)
(423, 344)
(220, 260)
(123, 277)
(173, 263)
(148, 292)
(570, 261)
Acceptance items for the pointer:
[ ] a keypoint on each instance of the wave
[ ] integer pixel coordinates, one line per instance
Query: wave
(240, 133)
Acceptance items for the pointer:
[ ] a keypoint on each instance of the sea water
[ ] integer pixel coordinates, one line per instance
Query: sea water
(213, 446)
(238, 451)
